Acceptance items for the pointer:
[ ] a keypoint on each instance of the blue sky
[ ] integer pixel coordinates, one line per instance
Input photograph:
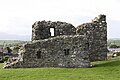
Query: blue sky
(17, 16)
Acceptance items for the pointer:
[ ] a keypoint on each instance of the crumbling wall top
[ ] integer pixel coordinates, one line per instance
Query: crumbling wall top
(100, 18)
(46, 29)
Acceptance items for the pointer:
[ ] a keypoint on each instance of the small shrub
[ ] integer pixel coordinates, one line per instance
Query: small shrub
(114, 46)
(5, 58)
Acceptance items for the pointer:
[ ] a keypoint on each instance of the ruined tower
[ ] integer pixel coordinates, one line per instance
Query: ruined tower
(60, 44)
(43, 29)
(96, 32)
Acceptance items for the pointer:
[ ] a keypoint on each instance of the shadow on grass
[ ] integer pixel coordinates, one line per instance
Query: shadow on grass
(108, 64)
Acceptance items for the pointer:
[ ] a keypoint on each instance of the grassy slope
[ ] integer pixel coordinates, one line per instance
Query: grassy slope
(104, 70)
(10, 42)
(112, 41)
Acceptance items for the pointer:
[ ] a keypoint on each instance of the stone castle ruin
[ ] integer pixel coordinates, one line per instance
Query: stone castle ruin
(60, 44)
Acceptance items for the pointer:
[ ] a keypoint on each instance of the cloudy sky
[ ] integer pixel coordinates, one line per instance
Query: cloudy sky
(17, 16)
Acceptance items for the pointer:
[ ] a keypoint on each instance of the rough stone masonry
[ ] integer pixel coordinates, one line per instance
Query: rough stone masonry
(64, 46)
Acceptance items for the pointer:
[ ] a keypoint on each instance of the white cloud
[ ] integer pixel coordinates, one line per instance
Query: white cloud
(17, 16)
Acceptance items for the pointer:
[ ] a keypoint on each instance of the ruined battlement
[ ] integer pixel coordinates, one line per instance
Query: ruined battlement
(96, 32)
(44, 29)
(60, 44)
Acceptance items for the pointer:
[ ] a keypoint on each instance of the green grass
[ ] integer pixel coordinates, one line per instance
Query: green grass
(11, 42)
(103, 70)
(113, 41)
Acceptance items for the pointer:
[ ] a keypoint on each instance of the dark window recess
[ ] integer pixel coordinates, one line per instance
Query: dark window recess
(52, 31)
(102, 46)
(66, 51)
(85, 58)
(38, 54)
(87, 45)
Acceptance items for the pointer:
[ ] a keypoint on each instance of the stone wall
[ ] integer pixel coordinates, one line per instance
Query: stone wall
(96, 32)
(41, 29)
(62, 51)
(69, 47)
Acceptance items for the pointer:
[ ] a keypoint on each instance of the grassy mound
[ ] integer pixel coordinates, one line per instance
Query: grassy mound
(102, 70)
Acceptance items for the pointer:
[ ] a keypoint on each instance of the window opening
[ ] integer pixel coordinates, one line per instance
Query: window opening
(66, 51)
(38, 54)
(52, 31)
(87, 46)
